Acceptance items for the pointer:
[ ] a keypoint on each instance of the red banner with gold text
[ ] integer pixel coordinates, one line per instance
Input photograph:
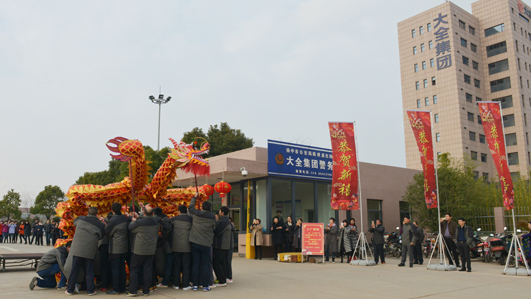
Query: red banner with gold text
(345, 169)
(421, 124)
(492, 125)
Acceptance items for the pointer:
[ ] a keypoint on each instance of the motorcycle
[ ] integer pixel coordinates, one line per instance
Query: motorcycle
(428, 247)
(477, 250)
(393, 245)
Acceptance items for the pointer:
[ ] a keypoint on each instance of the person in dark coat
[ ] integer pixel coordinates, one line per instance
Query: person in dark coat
(117, 232)
(409, 239)
(39, 231)
(343, 241)
(48, 229)
(331, 231)
(419, 258)
(378, 231)
(277, 234)
(182, 256)
(297, 235)
(89, 230)
(222, 243)
(288, 233)
(448, 230)
(27, 232)
(464, 239)
(164, 255)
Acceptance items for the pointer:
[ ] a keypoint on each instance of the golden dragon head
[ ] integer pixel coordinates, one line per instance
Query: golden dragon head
(191, 159)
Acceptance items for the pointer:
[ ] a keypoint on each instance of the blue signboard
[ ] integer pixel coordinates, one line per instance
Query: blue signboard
(298, 161)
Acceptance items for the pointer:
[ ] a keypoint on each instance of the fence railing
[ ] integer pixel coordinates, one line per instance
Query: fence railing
(522, 216)
(481, 218)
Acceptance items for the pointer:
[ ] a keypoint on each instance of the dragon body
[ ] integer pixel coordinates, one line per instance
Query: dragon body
(156, 193)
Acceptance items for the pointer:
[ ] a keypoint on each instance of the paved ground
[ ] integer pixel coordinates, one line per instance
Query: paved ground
(271, 279)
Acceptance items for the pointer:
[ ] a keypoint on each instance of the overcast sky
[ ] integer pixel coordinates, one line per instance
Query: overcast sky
(74, 74)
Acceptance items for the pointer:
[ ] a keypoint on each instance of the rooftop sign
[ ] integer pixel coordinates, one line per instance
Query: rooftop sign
(298, 161)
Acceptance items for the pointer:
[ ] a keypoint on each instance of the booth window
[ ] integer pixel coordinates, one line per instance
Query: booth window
(323, 201)
(374, 210)
(261, 201)
(281, 199)
(304, 202)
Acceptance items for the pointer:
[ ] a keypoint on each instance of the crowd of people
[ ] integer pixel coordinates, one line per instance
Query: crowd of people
(12, 231)
(186, 251)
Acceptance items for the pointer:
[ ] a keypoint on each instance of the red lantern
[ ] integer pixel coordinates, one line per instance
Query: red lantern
(209, 190)
(222, 188)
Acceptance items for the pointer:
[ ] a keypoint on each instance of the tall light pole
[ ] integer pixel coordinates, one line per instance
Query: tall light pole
(160, 100)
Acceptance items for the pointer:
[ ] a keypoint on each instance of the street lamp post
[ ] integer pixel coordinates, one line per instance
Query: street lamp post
(160, 100)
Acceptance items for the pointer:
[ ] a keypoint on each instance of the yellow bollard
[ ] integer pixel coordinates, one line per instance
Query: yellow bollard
(249, 250)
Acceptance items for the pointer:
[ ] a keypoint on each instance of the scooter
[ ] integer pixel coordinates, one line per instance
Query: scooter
(477, 250)
(428, 247)
(393, 245)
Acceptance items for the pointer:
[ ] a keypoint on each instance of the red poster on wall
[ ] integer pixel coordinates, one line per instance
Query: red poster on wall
(421, 124)
(312, 239)
(493, 126)
(345, 167)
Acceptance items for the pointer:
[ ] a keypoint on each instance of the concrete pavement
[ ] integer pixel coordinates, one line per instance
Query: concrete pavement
(271, 279)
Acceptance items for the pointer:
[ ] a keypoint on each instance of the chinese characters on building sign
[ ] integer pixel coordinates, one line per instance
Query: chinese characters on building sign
(442, 38)
(523, 9)
(295, 160)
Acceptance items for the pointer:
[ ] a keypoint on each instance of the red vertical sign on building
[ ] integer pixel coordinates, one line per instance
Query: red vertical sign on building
(421, 124)
(345, 167)
(493, 126)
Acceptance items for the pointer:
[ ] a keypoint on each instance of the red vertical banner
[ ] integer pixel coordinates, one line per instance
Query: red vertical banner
(421, 124)
(345, 167)
(493, 126)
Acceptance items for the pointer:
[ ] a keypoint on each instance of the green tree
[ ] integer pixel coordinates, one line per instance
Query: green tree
(222, 139)
(9, 205)
(460, 193)
(47, 201)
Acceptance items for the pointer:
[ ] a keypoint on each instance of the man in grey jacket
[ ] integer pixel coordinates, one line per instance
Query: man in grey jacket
(117, 232)
(409, 238)
(181, 248)
(51, 263)
(146, 231)
(89, 229)
(378, 231)
(419, 258)
(222, 242)
(201, 237)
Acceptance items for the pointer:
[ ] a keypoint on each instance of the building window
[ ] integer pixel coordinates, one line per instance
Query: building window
(485, 176)
(425, 83)
(432, 62)
(524, 18)
(415, 50)
(494, 30)
(479, 119)
(418, 104)
(472, 30)
(468, 97)
(433, 81)
(477, 83)
(476, 173)
(413, 33)
(498, 66)
(475, 65)
(429, 27)
(481, 138)
(472, 135)
(421, 30)
(508, 120)
(511, 139)
(464, 42)
(519, 68)
(374, 210)
(422, 48)
(426, 101)
(417, 85)
(416, 67)
(435, 99)
(500, 84)
(525, 119)
(424, 65)
(438, 137)
(430, 44)
(514, 26)
(465, 60)
(436, 118)
(516, 46)
(470, 116)
(474, 155)
(513, 158)
(404, 210)
(496, 49)
(478, 99)
(462, 24)
(467, 79)
(473, 47)
(523, 101)
(527, 138)
(506, 102)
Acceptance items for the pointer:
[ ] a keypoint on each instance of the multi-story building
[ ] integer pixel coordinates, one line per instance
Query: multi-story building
(451, 59)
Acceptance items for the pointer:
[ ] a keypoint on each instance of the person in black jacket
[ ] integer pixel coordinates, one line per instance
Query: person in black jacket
(417, 250)
(378, 231)
(464, 239)
(277, 232)
(39, 231)
(288, 233)
(222, 240)
(48, 231)
(117, 232)
(27, 232)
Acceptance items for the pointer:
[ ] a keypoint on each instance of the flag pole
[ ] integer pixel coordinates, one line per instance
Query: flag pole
(362, 240)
